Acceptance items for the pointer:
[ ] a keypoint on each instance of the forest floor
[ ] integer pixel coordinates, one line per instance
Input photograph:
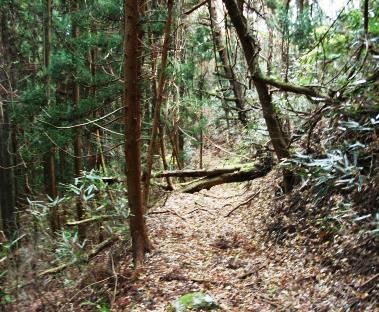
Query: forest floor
(216, 241)
(226, 242)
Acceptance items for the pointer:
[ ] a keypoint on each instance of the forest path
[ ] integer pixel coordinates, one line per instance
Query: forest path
(199, 245)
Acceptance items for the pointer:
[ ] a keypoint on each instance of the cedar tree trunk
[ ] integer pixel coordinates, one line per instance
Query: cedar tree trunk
(77, 135)
(132, 102)
(7, 176)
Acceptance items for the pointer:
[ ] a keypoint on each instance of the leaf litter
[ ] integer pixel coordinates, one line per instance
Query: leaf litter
(199, 246)
(242, 244)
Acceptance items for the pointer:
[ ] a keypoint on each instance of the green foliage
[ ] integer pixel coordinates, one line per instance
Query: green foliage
(31, 102)
(352, 20)
(202, 42)
(100, 307)
(299, 29)
(69, 248)
(5, 298)
(302, 32)
(93, 191)
(62, 65)
(155, 21)
(336, 168)
(6, 250)
(99, 199)
(109, 11)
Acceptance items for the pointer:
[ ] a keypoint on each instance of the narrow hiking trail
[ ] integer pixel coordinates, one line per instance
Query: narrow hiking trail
(215, 241)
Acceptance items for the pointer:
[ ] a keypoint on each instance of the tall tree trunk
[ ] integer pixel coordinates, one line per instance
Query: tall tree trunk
(99, 160)
(285, 46)
(227, 68)
(7, 177)
(251, 50)
(157, 109)
(49, 157)
(7, 79)
(75, 7)
(133, 37)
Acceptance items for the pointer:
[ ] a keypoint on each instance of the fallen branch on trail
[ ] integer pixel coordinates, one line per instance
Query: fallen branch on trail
(242, 204)
(198, 173)
(166, 211)
(173, 276)
(245, 173)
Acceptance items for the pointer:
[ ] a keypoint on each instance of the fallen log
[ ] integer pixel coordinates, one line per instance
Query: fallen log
(246, 173)
(197, 173)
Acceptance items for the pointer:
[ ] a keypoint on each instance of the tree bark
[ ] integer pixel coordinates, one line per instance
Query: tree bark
(49, 157)
(258, 170)
(251, 50)
(77, 131)
(132, 102)
(7, 162)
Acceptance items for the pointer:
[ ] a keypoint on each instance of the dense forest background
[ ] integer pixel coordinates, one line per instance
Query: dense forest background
(108, 107)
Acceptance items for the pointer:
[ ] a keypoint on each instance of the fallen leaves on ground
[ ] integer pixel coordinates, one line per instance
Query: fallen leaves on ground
(198, 248)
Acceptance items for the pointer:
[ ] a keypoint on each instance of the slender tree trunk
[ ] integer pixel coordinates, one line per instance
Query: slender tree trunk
(285, 46)
(47, 46)
(7, 162)
(154, 88)
(157, 108)
(75, 7)
(99, 159)
(227, 68)
(62, 164)
(174, 143)
(201, 146)
(7, 177)
(163, 155)
(251, 50)
(270, 48)
(180, 144)
(133, 37)
(49, 157)
(365, 17)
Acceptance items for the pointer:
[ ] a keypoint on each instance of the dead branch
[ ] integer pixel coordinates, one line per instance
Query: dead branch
(370, 280)
(166, 211)
(89, 220)
(200, 209)
(242, 204)
(258, 170)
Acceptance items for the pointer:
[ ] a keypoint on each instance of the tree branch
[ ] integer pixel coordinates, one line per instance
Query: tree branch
(194, 8)
(284, 86)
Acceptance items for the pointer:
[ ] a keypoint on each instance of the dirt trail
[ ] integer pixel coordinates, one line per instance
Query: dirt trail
(196, 247)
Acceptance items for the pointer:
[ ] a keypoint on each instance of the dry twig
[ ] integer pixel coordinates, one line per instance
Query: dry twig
(242, 204)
